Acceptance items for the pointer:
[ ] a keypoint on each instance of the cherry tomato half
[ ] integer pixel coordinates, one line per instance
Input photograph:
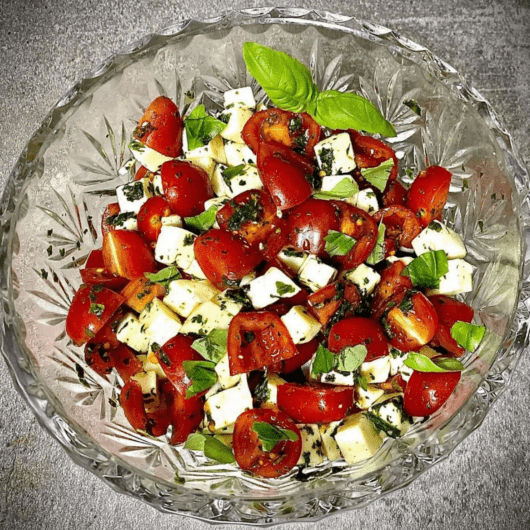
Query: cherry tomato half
(401, 227)
(390, 290)
(150, 217)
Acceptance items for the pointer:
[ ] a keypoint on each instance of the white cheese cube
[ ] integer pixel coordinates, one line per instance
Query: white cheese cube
(270, 287)
(151, 363)
(397, 358)
(147, 381)
(330, 181)
(237, 154)
(329, 445)
(223, 408)
(437, 236)
(293, 259)
(459, 279)
(204, 162)
(214, 150)
(222, 369)
(159, 323)
(367, 200)
(335, 154)
(172, 220)
(186, 295)
(130, 332)
(195, 270)
(207, 317)
(227, 303)
(366, 398)
(132, 195)
(376, 371)
(219, 184)
(147, 157)
(249, 179)
(175, 246)
(364, 277)
(390, 411)
(125, 221)
(158, 188)
(300, 324)
(237, 117)
(312, 453)
(336, 378)
(239, 97)
(406, 260)
(267, 390)
(357, 438)
(315, 274)
(218, 202)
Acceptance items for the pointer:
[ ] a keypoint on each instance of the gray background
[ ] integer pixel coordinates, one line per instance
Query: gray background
(46, 46)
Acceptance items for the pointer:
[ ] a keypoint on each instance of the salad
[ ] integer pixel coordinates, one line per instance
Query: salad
(267, 289)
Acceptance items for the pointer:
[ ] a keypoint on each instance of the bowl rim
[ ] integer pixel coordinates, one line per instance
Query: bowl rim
(110, 468)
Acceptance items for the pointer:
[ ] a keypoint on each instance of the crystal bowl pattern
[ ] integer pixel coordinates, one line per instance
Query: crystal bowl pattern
(49, 222)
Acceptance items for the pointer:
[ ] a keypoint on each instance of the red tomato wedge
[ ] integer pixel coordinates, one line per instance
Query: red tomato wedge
(325, 302)
(111, 211)
(91, 308)
(426, 392)
(160, 128)
(248, 449)
(315, 403)
(125, 361)
(401, 227)
(150, 217)
(359, 330)
(305, 352)
(428, 194)
(140, 292)
(257, 340)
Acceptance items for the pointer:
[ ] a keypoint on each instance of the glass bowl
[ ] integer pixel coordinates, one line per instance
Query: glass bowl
(49, 222)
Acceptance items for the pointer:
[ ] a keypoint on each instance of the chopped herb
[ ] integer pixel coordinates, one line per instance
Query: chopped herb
(249, 337)
(427, 270)
(134, 191)
(44, 274)
(284, 288)
(413, 106)
(269, 435)
(201, 128)
(338, 244)
(378, 252)
(378, 176)
(228, 173)
(164, 277)
(342, 190)
(197, 319)
(249, 211)
(382, 425)
(188, 240)
(351, 358)
(97, 309)
(119, 219)
(326, 160)
(435, 226)
(323, 362)
(293, 253)
(422, 363)
(49, 250)
(295, 124)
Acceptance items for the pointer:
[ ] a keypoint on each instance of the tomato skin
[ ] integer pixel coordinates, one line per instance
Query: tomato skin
(315, 403)
(82, 324)
(224, 258)
(160, 128)
(428, 194)
(125, 361)
(140, 292)
(132, 403)
(171, 356)
(256, 340)
(395, 194)
(150, 217)
(325, 302)
(127, 254)
(247, 447)
(309, 223)
(449, 312)
(186, 187)
(390, 290)
(401, 227)
(275, 160)
(359, 330)
(98, 359)
(95, 259)
(98, 276)
(111, 210)
(426, 392)
(305, 352)
(412, 328)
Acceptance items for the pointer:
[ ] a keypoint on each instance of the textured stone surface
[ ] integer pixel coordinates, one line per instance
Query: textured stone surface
(46, 46)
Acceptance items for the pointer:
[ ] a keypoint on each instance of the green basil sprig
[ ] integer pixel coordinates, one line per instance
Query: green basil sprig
(347, 360)
(289, 85)
(211, 447)
(378, 252)
(204, 220)
(201, 128)
(378, 176)
(342, 190)
(338, 244)
(269, 435)
(202, 375)
(164, 277)
(213, 347)
(469, 336)
(427, 270)
(422, 363)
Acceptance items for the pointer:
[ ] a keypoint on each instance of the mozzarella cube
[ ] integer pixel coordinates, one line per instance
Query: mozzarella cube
(147, 381)
(185, 295)
(437, 236)
(172, 220)
(376, 371)
(239, 97)
(391, 411)
(367, 200)
(151, 363)
(222, 369)
(195, 270)
(357, 438)
(175, 246)
(336, 378)
(207, 317)
(330, 181)
(223, 408)
(147, 157)
(124, 221)
(159, 323)
(330, 447)
(133, 195)
(316, 274)
(335, 154)
(459, 279)
(238, 154)
(301, 325)
(225, 300)
(267, 390)
(293, 259)
(130, 332)
(237, 117)
(220, 185)
(158, 188)
(364, 277)
(214, 149)
(366, 398)
(204, 162)
(249, 179)
(270, 287)
(397, 358)
(312, 453)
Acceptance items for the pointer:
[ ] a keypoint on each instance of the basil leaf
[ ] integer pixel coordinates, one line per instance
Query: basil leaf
(164, 277)
(201, 128)
(350, 358)
(427, 270)
(362, 381)
(469, 336)
(338, 244)
(345, 110)
(421, 363)
(230, 172)
(342, 190)
(203, 221)
(213, 347)
(382, 425)
(202, 375)
(211, 447)
(323, 362)
(269, 435)
(284, 288)
(378, 176)
(286, 81)
(378, 252)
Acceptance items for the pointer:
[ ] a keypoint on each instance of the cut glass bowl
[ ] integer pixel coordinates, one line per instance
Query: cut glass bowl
(49, 222)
